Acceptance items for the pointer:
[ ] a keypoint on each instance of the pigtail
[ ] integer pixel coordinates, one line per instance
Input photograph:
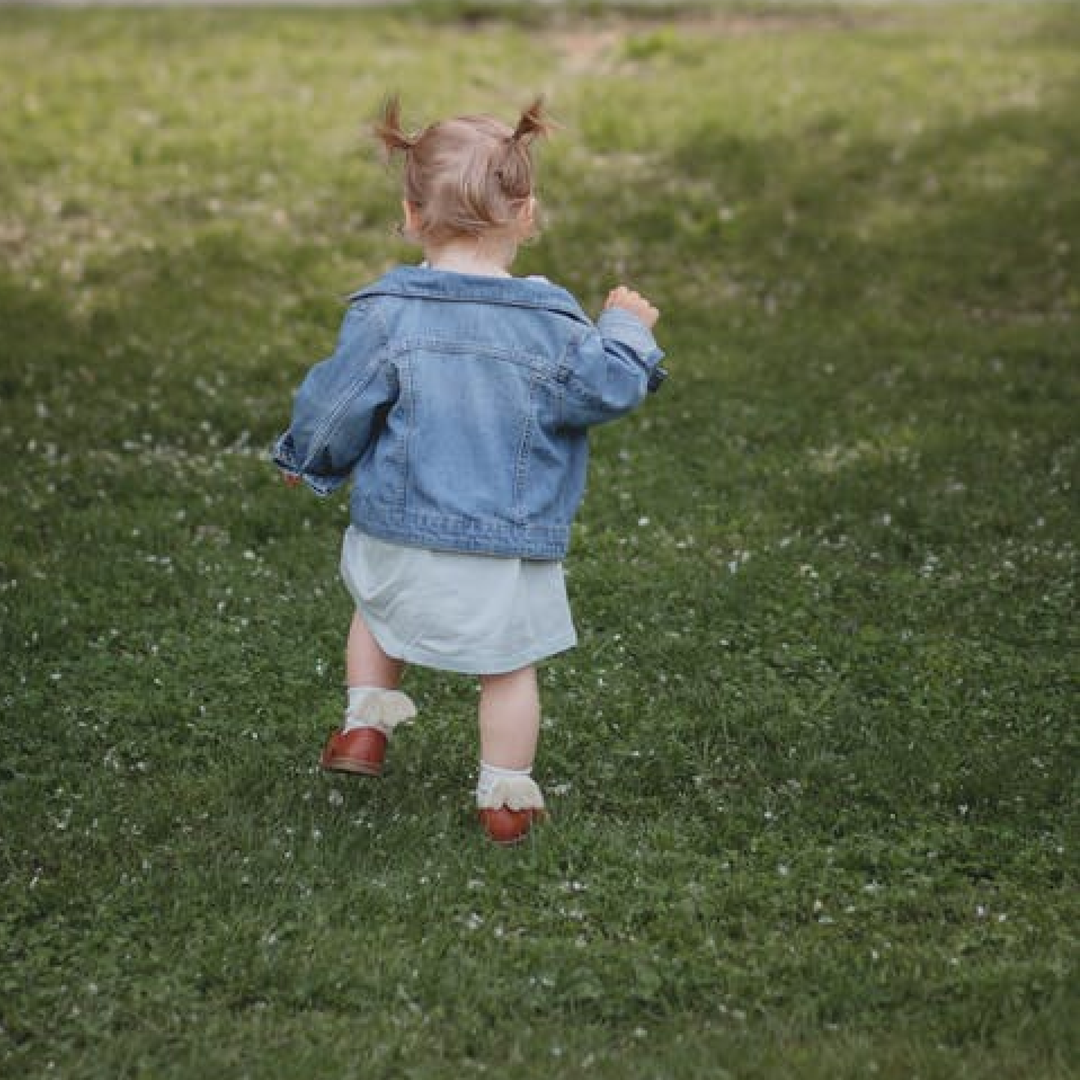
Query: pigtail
(389, 132)
(513, 167)
(533, 124)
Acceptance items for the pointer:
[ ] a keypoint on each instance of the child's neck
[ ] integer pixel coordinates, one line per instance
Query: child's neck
(486, 257)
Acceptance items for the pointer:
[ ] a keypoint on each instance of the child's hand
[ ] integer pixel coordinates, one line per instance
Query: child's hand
(635, 303)
(291, 479)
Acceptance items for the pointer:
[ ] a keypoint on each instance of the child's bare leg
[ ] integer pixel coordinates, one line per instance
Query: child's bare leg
(373, 679)
(509, 719)
(375, 708)
(365, 662)
(506, 794)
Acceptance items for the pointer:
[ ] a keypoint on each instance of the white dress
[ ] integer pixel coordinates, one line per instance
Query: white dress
(476, 614)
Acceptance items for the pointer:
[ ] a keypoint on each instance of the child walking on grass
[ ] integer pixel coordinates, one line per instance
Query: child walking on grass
(458, 399)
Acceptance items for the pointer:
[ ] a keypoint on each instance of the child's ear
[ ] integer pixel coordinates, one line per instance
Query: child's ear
(527, 218)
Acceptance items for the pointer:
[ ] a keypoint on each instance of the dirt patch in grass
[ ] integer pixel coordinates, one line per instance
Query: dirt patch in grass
(586, 45)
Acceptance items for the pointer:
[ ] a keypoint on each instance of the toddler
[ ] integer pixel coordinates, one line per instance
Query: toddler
(458, 399)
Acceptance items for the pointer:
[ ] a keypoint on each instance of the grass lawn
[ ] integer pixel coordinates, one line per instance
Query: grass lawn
(813, 768)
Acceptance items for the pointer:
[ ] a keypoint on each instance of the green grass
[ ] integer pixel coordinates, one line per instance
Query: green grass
(813, 766)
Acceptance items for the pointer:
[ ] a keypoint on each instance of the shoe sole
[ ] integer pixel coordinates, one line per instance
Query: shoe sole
(508, 843)
(350, 765)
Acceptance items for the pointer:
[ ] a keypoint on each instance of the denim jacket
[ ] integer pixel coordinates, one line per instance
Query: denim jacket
(460, 407)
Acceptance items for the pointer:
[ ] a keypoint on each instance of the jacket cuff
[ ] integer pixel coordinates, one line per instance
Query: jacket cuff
(617, 324)
(285, 458)
(283, 454)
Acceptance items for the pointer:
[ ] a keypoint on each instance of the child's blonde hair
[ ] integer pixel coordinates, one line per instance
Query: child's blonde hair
(466, 176)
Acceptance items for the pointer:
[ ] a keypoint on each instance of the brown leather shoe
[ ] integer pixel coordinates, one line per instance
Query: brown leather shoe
(361, 750)
(505, 826)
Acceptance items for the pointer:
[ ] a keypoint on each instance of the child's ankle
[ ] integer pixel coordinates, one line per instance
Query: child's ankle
(377, 707)
(498, 786)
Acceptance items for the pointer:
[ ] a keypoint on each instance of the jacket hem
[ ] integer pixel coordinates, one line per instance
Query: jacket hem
(510, 543)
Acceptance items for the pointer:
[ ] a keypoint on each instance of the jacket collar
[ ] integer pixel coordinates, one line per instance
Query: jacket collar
(422, 282)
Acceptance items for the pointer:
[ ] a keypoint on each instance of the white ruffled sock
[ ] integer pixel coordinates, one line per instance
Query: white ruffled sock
(377, 707)
(491, 774)
(515, 788)
(358, 695)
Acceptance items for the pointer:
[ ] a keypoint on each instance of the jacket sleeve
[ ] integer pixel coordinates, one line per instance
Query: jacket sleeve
(338, 408)
(616, 365)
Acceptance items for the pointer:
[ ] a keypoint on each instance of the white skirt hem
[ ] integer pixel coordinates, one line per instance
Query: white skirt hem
(475, 665)
(460, 612)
